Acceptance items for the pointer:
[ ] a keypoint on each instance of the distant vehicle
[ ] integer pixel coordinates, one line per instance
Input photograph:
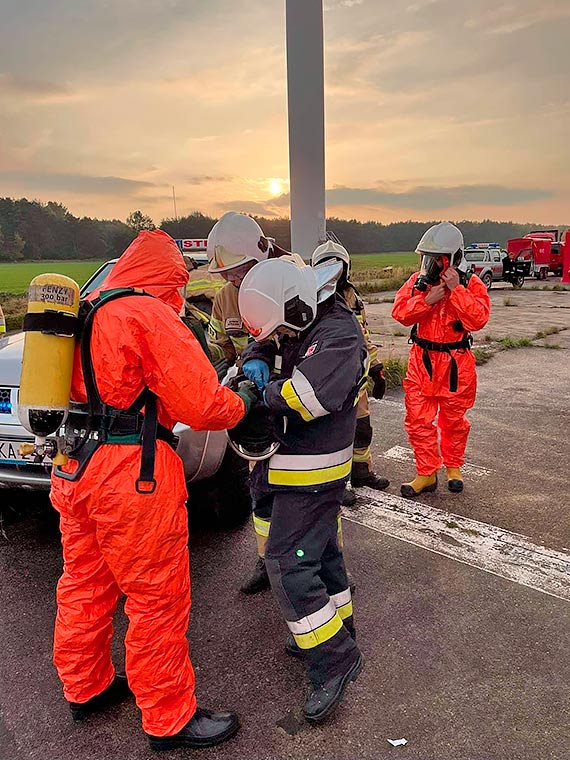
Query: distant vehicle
(216, 476)
(546, 246)
(486, 261)
(528, 257)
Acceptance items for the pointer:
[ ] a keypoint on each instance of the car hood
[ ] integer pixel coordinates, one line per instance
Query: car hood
(11, 351)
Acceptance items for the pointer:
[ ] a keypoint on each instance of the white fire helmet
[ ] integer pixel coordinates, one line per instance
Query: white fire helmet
(330, 250)
(234, 240)
(277, 293)
(443, 239)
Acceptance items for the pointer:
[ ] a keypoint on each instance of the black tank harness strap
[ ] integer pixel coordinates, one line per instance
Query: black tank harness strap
(429, 345)
(98, 423)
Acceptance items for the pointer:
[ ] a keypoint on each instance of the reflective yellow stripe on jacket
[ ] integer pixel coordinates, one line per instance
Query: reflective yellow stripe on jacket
(309, 469)
(299, 395)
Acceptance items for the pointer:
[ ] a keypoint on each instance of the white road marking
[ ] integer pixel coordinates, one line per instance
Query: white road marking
(402, 454)
(385, 402)
(487, 547)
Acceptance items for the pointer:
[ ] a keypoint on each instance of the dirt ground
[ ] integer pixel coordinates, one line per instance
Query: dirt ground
(515, 313)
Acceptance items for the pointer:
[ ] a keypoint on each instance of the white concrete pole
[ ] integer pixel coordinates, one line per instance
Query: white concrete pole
(306, 106)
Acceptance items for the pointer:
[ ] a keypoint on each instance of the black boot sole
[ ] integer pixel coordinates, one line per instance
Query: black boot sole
(409, 493)
(455, 486)
(167, 743)
(350, 676)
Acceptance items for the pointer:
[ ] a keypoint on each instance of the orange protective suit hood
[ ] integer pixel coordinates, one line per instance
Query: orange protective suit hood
(154, 263)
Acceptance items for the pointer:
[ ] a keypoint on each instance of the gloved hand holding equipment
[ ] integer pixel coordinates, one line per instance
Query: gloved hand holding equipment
(257, 371)
(376, 374)
(246, 390)
(253, 438)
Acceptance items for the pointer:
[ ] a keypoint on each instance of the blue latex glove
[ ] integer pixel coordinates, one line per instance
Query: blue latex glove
(257, 371)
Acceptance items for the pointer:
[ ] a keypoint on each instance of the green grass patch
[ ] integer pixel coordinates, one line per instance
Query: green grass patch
(509, 342)
(380, 260)
(482, 355)
(509, 302)
(15, 278)
(395, 371)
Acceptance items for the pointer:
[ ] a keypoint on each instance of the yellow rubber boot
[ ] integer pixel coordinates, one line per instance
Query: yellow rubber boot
(420, 484)
(454, 479)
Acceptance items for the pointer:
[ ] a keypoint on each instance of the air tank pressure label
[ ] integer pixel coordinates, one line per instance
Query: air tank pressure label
(56, 294)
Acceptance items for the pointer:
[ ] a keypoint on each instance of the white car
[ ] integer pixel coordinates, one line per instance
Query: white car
(211, 467)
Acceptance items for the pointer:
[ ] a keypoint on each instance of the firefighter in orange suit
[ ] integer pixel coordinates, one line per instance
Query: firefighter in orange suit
(124, 531)
(443, 304)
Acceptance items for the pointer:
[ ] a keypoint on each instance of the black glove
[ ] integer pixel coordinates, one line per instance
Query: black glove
(247, 391)
(377, 377)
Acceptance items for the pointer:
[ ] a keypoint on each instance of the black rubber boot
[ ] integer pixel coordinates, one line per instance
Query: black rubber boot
(362, 476)
(325, 698)
(116, 692)
(204, 729)
(258, 581)
(349, 498)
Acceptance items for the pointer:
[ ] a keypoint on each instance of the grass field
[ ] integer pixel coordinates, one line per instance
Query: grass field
(379, 260)
(15, 278)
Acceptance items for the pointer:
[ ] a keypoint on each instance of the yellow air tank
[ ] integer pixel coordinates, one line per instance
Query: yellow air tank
(49, 344)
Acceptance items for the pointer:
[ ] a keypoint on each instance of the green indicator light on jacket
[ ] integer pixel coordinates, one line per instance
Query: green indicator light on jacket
(300, 553)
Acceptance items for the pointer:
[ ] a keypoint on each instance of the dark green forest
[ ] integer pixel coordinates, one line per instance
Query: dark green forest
(32, 231)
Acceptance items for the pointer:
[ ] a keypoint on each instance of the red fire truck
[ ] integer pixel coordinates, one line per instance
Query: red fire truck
(537, 254)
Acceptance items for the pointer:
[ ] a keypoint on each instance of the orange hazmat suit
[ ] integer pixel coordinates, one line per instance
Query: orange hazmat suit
(463, 309)
(116, 540)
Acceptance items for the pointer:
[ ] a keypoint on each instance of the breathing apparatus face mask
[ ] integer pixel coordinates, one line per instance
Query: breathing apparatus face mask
(431, 269)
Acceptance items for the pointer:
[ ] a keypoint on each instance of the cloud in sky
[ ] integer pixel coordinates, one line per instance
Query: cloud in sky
(74, 183)
(454, 104)
(426, 198)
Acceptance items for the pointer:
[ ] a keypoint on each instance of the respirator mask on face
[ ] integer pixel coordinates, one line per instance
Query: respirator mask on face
(431, 270)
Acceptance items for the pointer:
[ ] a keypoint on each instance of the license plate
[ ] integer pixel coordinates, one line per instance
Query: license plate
(10, 453)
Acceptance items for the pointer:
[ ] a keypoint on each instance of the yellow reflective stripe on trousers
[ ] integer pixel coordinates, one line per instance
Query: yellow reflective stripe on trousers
(294, 402)
(343, 603)
(362, 455)
(261, 526)
(316, 628)
(320, 635)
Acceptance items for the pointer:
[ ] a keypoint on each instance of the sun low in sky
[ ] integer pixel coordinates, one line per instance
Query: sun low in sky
(435, 108)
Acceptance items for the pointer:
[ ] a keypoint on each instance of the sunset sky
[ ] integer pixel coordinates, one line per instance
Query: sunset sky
(435, 108)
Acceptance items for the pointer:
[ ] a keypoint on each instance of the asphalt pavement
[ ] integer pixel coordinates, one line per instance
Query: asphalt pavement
(462, 663)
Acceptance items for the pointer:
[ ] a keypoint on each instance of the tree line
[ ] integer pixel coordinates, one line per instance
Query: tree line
(32, 231)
